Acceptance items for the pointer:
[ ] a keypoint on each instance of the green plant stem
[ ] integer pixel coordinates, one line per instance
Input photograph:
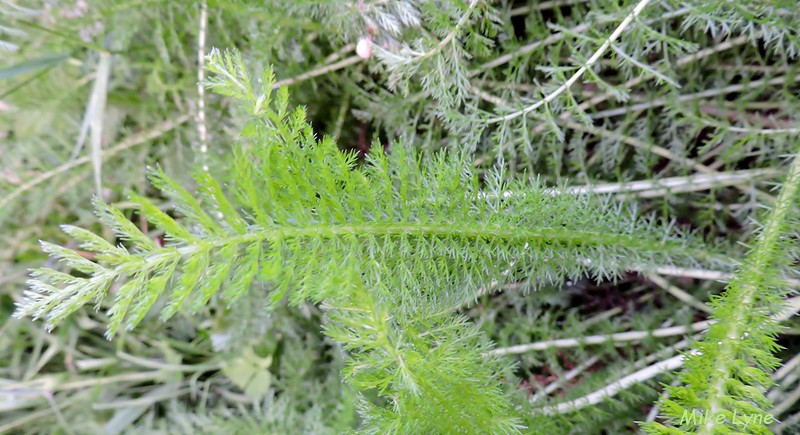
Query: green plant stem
(763, 256)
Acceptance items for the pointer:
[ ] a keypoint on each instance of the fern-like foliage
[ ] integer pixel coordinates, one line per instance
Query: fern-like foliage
(392, 247)
(723, 382)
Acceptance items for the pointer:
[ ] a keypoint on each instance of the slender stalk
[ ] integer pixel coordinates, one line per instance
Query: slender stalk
(578, 74)
(611, 390)
(325, 69)
(449, 37)
(130, 142)
(202, 130)
(619, 337)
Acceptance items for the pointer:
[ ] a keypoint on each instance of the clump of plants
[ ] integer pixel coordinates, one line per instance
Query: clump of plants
(400, 217)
